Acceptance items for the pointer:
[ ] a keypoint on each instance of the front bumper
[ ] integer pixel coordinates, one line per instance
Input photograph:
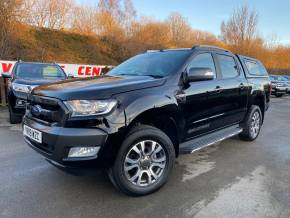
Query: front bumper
(57, 141)
(13, 100)
(279, 90)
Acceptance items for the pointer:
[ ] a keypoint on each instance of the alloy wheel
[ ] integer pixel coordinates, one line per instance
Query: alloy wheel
(255, 124)
(145, 163)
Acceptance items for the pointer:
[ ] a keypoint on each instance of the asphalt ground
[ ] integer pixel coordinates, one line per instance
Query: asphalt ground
(230, 179)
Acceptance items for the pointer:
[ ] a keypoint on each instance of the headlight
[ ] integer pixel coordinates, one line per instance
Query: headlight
(22, 88)
(90, 107)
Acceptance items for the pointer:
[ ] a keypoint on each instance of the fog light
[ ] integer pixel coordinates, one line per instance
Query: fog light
(83, 151)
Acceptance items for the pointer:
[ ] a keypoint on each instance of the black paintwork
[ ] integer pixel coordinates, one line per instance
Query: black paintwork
(13, 95)
(183, 111)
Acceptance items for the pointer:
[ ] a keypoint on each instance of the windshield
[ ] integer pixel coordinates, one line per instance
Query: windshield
(155, 64)
(39, 71)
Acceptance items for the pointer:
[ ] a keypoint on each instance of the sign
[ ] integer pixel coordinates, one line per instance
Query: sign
(76, 70)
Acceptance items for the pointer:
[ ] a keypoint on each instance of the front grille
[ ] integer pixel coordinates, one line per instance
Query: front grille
(45, 109)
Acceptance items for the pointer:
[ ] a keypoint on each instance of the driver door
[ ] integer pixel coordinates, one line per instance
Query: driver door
(202, 108)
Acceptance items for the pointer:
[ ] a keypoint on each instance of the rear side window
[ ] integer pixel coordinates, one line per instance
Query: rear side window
(203, 60)
(256, 68)
(228, 66)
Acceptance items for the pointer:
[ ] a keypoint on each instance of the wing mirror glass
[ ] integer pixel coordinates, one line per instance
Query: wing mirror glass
(198, 74)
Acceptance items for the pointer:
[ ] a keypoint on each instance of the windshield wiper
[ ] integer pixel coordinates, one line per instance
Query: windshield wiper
(154, 76)
(128, 74)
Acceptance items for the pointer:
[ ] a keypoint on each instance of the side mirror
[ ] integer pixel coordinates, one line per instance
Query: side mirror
(70, 76)
(198, 74)
(6, 75)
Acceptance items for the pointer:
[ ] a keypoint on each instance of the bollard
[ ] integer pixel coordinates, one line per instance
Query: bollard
(2, 91)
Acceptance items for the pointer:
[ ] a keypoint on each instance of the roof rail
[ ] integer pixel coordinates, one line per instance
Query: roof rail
(150, 51)
(210, 46)
(167, 49)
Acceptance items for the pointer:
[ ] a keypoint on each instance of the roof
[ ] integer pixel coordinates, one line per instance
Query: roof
(30, 62)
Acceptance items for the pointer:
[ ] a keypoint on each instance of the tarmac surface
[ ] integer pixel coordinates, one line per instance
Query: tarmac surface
(229, 179)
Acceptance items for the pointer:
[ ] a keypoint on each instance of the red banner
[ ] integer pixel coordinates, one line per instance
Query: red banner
(76, 70)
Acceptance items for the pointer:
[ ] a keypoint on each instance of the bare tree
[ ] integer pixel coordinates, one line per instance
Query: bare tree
(36, 12)
(129, 16)
(54, 14)
(113, 7)
(84, 20)
(122, 11)
(8, 16)
(179, 28)
(107, 25)
(58, 12)
(241, 28)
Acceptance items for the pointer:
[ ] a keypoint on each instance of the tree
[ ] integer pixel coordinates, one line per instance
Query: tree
(8, 16)
(122, 12)
(241, 30)
(129, 16)
(107, 25)
(54, 14)
(113, 7)
(84, 20)
(179, 29)
(58, 13)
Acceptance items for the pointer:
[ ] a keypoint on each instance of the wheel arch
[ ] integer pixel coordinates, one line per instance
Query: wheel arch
(259, 100)
(161, 118)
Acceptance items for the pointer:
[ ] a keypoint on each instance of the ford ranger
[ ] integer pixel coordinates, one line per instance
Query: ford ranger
(24, 77)
(137, 119)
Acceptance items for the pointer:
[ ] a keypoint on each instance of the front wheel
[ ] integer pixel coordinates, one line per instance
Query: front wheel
(278, 95)
(252, 124)
(144, 161)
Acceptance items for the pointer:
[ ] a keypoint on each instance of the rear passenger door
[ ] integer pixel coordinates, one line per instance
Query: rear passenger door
(234, 89)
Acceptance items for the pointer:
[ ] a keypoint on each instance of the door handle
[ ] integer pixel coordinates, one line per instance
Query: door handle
(242, 86)
(217, 90)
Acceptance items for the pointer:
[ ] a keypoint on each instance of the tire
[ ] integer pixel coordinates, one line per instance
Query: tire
(132, 159)
(252, 124)
(14, 118)
(278, 95)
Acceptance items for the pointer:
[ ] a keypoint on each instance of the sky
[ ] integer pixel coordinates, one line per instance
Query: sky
(207, 15)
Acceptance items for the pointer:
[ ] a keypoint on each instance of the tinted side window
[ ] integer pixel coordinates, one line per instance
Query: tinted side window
(203, 60)
(228, 66)
(255, 68)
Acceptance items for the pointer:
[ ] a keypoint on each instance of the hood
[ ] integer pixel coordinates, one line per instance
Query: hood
(32, 82)
(102, 87)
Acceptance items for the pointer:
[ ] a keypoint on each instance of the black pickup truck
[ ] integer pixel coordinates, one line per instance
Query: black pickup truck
(24, 77)
(138, 118)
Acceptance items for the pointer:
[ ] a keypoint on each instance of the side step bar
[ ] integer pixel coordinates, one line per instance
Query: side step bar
(210, 139)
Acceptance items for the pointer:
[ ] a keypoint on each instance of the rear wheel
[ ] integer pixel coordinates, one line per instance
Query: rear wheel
(14, 118)
(252, 124)
(144, 162)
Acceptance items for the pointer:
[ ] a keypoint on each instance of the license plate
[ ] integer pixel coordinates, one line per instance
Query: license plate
(32, 134)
